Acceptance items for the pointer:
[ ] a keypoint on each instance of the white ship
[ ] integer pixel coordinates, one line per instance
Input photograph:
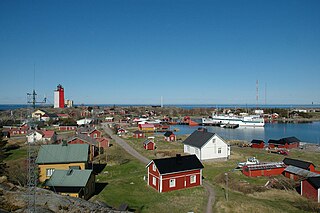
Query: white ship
(245, 121)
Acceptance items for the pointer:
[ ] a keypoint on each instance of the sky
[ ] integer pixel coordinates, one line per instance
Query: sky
(187, 51)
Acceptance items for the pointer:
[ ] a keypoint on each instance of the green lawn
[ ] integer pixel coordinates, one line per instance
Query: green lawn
(17, 154)
(125, 184)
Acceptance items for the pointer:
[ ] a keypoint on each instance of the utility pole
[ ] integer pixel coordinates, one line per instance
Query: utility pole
(32, 176)
(227, 196)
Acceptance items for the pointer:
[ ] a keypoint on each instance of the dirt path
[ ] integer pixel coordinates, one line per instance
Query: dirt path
(141, 158)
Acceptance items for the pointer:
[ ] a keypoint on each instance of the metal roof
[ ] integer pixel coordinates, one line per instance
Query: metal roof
(69, 178)
(297, 163)
(198, 138)
(301, 172)
(62, 153)
(265, 166)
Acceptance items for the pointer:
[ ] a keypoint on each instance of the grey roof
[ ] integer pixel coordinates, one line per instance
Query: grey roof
(63, 153)
(86, 130)
(147, 141)
(85, 138)
(69, 178)
(315, 181)
(301, 172)
(198, 138)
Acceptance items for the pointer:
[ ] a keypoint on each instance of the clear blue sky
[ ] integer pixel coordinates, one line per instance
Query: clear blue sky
(134, 52)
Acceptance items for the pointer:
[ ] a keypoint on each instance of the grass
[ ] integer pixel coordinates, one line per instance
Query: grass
(125, 184)
(17, 154)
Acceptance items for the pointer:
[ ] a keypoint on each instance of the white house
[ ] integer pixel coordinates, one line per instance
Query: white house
(47, 136)
(84, 121)
(206, 145)
(34, 136)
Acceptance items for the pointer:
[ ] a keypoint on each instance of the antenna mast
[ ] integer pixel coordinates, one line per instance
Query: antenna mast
(32, 176)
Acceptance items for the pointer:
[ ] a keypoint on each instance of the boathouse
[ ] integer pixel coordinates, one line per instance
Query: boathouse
(287, 143)
(258, 144)
(268, 169)
(168, 174)
(298, 169)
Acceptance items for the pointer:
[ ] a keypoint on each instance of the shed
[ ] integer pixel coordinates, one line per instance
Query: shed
(310, 188)
(138, 134)
(169, 136)
(287, 143)
(149, 145)
(259, 144)
(267, 169)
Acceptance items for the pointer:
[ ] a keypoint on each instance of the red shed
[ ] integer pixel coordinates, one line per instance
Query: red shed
(287, 143)
(259, 144)
(67, 128)
(268, 169)
(310, 188)
(299, 163)
(84, 139)
(169, 136)
(138, 134)
(104, 143)
(298, 168)
(149, 145)
(168, 174)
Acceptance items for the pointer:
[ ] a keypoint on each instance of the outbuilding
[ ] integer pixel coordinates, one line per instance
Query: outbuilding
(138, 134)
(168, 174)
(258, 144)
(268, 169)
(169, 136)
(149, 144)
(310, 188)
(287, 143)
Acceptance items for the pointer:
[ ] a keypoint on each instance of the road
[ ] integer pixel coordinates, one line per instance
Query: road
(141, 158)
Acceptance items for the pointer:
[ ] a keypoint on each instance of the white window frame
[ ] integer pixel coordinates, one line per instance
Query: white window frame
(49, 172)
(154, 181)
(219, 150)
(154, 168)
(193, 179)
(172, 183)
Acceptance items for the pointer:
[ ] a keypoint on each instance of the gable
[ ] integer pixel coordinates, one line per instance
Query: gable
(198, 138)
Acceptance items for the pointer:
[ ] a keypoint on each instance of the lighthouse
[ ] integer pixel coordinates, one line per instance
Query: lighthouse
(59, 97)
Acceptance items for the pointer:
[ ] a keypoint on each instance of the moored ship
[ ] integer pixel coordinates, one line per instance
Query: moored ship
(244, 121)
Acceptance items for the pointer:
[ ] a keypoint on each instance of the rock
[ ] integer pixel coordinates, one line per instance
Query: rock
(3, 179)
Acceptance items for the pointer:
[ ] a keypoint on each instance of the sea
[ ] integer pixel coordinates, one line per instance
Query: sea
(306, 132)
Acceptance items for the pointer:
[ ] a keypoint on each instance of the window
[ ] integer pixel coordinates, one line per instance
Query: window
(95, 135)
(172, 183)
(193, 179)
(154, 181)
(188, 148)
(49, 172)
(154, 167)
(219, 150)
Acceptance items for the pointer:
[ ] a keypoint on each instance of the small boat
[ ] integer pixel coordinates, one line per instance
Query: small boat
(250, 161)
(176, 130)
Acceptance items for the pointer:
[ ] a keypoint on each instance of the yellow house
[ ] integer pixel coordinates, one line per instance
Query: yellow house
(61, 157)
(72, 182)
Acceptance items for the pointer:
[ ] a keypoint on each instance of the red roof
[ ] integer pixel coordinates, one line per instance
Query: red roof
(147, 125)
(63, 115)
(48, 133)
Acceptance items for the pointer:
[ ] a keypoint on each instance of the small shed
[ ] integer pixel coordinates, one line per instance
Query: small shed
(258, 144)
(287, 143)
(268, 169)
(149, 145)
(310, 188)
(300, 164)
(138, 134)
(169, 136)
(296, 173)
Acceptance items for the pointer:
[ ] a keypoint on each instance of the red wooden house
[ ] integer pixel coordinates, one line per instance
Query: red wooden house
(103, 142)
(84, 139)
(168, 174)
(149, 145)
(138, 134)
(89, 131)
(287, 143)
(298, 169)
(67, 128)
(310, 188)
(169, 136)
(258, 144)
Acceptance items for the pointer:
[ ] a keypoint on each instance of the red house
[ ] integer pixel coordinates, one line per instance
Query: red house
(258, 144)
(103, 142)
(310, 188)
(268, 169)
(287, 143)
(91, 132)
(169, 136)
(149, 145)
(84, 139)
(168, 174)
(138, 134)
(67, 128)
(298, 169)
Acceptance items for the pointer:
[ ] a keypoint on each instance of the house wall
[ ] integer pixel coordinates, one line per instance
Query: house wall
(262, 172)
(211, 148)
(43, 168)
(309, 191)
(89, 189)
(37, 137)
(79, 141)
(149, 146)
(182, 180)
(258, 146)
(95, 134)
(192, 150)
(154, 174)
(67, 128)
(290, 175)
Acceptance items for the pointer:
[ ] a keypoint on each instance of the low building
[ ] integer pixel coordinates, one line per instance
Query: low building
(84, 121)
(44, 136)
(67, 128)
(84, 139)
(287, 143)
(5, 134)
(258, 144)
(168, 174)
(268, 169)
(109, 119)
(298, 169)
(90, 131)
(310, 188)
(169, 136)
(61, 156)
(206, 145)
(138, 134)
(147, 127)
(149, 145)
(103, 142)
(300, 164)
(72, 182)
